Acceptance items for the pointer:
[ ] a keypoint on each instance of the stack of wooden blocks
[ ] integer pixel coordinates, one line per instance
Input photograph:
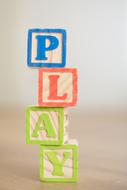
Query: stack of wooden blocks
(47, 123)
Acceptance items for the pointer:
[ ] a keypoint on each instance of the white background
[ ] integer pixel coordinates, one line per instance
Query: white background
(96, 45)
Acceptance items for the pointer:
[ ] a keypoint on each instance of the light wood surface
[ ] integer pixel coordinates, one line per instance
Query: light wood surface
(102, 160)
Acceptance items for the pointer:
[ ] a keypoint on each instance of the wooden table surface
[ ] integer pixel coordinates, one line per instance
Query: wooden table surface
(102, 160)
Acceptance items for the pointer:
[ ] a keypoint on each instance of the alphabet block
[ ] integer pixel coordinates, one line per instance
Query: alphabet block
(46, 126)
(46, 48)
(66, 125)
(59, 163)
(57, 87)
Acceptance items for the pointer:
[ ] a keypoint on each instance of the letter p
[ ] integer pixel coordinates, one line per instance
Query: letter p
(42, 48)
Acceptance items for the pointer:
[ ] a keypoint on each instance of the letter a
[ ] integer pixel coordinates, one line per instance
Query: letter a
(44, 123)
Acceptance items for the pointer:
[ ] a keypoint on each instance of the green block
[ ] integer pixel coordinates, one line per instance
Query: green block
(45, 125)
(59, 163)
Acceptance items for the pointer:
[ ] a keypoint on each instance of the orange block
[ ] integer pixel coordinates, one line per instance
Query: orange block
(57, 87)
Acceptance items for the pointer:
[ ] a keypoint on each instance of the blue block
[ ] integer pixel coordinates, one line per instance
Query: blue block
(46, 48)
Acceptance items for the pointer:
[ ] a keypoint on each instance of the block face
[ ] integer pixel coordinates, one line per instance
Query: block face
(59, 163)
(57, 87)
(46, 48)
(66, 125)
(45, 126)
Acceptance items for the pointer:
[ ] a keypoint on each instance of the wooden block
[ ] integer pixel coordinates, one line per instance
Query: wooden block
(45, 126)
(66, 117)
(59, 163)
(57, 87)
(46, 48)
(66, 124)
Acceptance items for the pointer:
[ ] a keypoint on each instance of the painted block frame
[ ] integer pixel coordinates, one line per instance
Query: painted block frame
(74, 178)
(41, 64)
(61, 127)
(57, 104)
